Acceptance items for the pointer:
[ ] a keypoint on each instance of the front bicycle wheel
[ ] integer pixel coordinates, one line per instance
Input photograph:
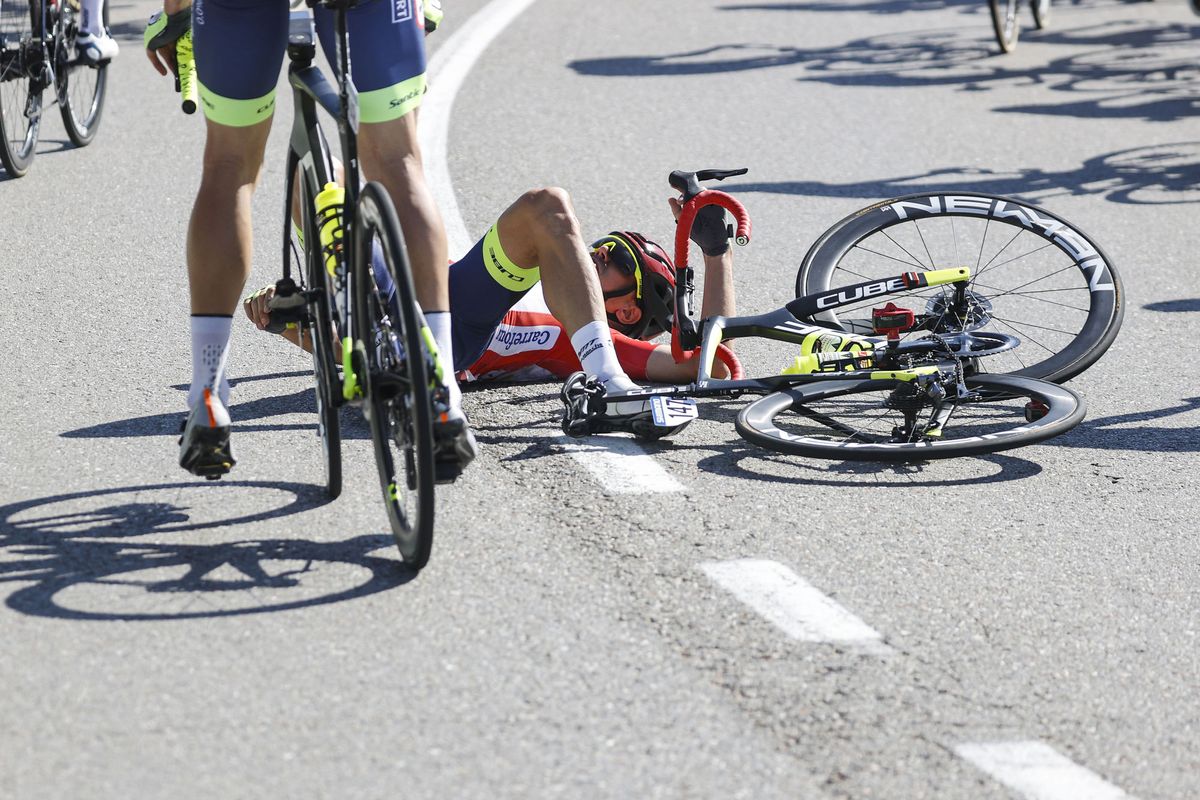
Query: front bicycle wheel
(80, 86)
(20, 89)
(1005, 23)
(391, 365)
(1041, 13)
(894, 421)
(321, 332)
(1033, 275)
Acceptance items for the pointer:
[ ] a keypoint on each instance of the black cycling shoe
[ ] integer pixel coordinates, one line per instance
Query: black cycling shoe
(453, 448)
(204, 446)
(590, 409)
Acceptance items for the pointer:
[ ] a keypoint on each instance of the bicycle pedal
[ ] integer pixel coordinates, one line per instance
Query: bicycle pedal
(446, 471)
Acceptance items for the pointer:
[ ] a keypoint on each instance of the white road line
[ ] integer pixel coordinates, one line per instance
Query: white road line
(447, 70)
(620, 465)
(792, 604)
(1038, 772)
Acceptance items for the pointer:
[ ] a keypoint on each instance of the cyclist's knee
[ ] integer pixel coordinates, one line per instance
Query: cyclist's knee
(548, 209)
(235, 153)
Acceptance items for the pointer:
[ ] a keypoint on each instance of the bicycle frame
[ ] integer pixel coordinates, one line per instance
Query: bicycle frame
(784, 324)
(309, 154)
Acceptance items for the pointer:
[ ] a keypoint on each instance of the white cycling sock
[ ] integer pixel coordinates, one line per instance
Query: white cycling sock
(210, 349)
(594, 345)
(91, 19)
(440, 327)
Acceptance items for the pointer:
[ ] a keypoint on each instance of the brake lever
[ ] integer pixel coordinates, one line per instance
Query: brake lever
(688, 183)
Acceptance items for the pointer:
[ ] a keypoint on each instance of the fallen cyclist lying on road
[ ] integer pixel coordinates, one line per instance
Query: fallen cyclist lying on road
(536, 245)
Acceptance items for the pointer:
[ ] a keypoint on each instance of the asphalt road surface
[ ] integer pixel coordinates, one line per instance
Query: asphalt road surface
(700, 618)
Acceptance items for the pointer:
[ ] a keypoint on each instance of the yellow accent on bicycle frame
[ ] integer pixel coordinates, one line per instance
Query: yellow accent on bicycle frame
(937, 277)
(803, 365)
(431, 346)
(906, 375)
(351, 390)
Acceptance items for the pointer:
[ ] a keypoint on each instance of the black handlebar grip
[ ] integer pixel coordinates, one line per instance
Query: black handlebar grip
(688, 183)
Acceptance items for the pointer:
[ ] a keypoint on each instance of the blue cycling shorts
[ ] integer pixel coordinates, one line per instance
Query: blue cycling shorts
(477, 303)
(239, 47)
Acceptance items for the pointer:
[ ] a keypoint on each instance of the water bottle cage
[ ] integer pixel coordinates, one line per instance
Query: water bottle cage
(329, 224)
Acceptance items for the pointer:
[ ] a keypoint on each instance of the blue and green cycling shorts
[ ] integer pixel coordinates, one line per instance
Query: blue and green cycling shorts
(240, 44)
(484, 285)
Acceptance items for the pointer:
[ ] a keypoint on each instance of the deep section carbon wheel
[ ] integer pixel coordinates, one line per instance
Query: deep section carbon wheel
(1005, 23)
(1041, 13)
(20, 90)
(80, 86)
(891, 420)
(1033, 275)
(392, 370)
(322, 336)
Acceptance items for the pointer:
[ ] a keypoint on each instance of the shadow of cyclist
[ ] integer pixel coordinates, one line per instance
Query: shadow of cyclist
(88, 564)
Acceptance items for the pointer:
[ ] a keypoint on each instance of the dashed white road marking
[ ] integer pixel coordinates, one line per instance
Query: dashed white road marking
(1038, 772)
(620, 465)
(793, 605)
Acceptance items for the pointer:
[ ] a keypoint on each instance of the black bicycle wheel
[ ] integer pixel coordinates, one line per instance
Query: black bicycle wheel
(391, 365)
(321, 334)
(79, 85)
(1005, 23)
(882, 420)
(20, 92)
(1041, 13)
(1033, 275)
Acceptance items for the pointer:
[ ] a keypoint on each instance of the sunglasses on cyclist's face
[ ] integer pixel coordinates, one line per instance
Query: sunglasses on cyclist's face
(606, 265)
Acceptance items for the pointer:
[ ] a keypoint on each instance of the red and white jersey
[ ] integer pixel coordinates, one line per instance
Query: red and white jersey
(530, 344)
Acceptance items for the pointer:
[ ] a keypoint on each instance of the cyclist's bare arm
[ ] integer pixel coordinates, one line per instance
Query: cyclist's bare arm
(718, 299)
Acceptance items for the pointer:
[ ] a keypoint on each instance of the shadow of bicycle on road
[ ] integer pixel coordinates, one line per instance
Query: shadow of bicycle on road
(1137, 71)
(1129, 432)
(251, 415)
(108, 555)
(1166, 174)
(732, 457)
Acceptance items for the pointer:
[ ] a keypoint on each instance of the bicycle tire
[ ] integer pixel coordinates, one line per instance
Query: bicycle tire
(81, 88)
(853, 419)
(327, 389)
(1005, 23)
(20, 94)
(1033, 275)
(1041, 13)
(396, 393)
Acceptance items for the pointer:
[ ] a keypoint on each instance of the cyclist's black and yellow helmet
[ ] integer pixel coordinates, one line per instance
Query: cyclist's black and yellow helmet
(651, 267)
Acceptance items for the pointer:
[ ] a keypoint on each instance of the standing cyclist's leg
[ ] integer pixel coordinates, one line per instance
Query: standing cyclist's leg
(92, 42)
(239, 47)
(388, 47)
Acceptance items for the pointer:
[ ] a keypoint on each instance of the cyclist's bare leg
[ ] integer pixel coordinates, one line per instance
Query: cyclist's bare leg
(541, 229)
(391, 154)
(220, 234)
(218, 253)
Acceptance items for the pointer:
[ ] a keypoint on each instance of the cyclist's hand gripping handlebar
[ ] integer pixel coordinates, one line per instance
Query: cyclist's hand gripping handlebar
(696, 197)
(164, 31)
(686, 335)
